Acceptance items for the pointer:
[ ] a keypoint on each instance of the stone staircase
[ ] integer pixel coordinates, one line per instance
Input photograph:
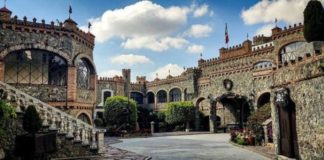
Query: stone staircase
(56, 120)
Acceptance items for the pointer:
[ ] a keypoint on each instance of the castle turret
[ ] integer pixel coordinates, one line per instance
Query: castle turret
(5, 14)
(127, 79)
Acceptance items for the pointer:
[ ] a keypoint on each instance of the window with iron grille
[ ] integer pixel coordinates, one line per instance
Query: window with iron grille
(35, 67)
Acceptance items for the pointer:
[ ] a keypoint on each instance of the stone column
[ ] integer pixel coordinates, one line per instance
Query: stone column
(152, 127)
(72, 84)
(197, 119)
(155, 102)
(212, 115)
(101, 141)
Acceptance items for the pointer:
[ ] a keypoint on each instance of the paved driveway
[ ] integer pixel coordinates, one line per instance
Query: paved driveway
(188, 147)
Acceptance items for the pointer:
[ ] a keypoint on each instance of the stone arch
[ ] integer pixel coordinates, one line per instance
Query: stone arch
(87, 58)
(162, 95)
(85, 117)
(279, 49)
(137, 96)
(38, 46)
(263, 99)
(175, 94)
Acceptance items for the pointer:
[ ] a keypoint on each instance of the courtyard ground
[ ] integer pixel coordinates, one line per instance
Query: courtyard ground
(187, 147)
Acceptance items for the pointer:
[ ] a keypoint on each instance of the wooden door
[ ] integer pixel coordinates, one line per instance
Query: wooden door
(288, 135)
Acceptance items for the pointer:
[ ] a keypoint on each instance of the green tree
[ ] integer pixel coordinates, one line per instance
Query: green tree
(116, 113)
(32, 123)
(180, 113)
(314, 21)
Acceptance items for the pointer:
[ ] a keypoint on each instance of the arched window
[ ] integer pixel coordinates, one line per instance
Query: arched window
(106, 94)
(83, 74)
(293, 50)
(83, 117)
(35, 67)
(175, 95)
(138, 97)
(262, 64)
(162, 96)
(150, 97)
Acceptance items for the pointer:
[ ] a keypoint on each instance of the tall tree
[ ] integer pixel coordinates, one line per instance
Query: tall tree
(314, 21)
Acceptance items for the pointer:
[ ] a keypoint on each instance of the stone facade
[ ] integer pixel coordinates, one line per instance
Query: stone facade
(66, 41)
(283, 60)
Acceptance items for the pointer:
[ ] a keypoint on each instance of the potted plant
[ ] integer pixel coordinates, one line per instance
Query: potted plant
(34, 144)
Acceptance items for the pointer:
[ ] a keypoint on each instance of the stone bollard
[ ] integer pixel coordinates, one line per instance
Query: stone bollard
(152, 127)
(101, 141)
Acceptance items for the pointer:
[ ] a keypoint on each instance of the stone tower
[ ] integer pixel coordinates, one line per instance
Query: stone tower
(127, 79)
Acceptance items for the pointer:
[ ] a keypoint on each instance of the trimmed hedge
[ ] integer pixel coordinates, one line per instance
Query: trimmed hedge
(179, 113)
(116, 113)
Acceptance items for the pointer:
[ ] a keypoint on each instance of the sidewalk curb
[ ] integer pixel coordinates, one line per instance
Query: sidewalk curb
(246, 148)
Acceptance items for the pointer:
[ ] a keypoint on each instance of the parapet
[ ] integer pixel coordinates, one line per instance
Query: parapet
(68, 28)
(278, 32)
(235, 51)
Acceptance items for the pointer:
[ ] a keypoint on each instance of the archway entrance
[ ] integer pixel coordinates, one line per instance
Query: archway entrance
(83, 117)
(238, 108)
(288, 145)
(201, 116)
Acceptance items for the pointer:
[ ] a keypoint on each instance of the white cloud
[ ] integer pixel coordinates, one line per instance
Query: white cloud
(265, 30)
(265, 11)
(143, 18)
(195, 49)
(163, 72)
(130, 59)
(200, 11)
(110, 73)
(158, 45)
(199, 30)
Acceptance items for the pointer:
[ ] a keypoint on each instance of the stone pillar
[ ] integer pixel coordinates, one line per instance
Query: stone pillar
(152, 127)
(155, 102)
(275, 123)
(197, 119)
(2, 70)
(101, 141)
(212, 115)
(71, 83)
(265, 130)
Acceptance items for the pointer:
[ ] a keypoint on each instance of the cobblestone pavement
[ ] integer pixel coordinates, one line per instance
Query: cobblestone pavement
(188, 147)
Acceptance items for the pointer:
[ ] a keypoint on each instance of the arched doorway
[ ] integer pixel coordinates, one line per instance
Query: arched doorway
(150, 98)
(161, 96)
(238, 108)
(138, 97)
(175, 95)
(84, 117)
(201, 116)
(288, 144)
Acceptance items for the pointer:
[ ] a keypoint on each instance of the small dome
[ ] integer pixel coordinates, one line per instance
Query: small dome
(4, 9)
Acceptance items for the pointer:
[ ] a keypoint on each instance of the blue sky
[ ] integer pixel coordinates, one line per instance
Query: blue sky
(155, 36)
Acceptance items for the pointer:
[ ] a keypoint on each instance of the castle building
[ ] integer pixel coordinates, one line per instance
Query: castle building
(281, 69)
(51, 62)
(54, 63)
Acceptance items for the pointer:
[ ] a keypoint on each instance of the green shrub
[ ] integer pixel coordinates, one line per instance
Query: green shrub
(32, 123)
(240, 141)
(179, 113)
(256, 119)
(314, 21)
(98, 122)
(7, 115)
(116, 112)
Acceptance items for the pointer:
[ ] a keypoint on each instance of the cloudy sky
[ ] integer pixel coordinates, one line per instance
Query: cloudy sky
(160, 35)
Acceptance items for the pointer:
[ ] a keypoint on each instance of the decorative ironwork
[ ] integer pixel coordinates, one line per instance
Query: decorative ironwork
(35, 67)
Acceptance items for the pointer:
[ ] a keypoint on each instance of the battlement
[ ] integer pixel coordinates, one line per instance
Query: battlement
(118, 79)
(141, 79)
(169, 80)
(235, 51)
(279, 32)
(261, 39)
(68, 28)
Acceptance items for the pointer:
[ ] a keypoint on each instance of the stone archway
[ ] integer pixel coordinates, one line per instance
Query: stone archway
(84, 117)
(238, 109)
(263, 99)
(288, 144)
(201, 115)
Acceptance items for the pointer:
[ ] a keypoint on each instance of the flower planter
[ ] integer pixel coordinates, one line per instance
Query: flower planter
(35, 146)
(251, 140)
